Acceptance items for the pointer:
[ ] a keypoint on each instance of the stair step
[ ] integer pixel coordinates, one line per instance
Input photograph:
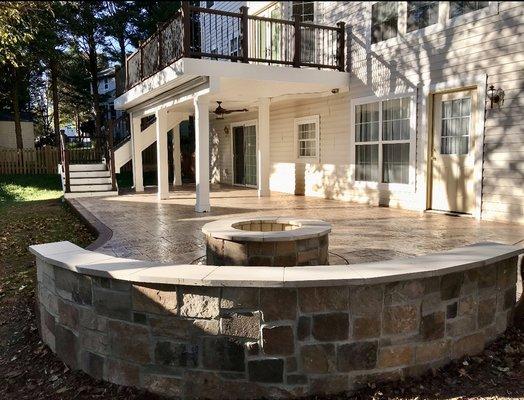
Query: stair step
(87, 167)
(91, 188)
(73, 195)
(90, 181)
(88, 174)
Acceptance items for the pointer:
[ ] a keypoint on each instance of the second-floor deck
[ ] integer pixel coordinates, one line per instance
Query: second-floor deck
(203, 33)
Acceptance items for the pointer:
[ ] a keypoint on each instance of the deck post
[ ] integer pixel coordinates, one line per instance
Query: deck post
(263, 166)
(341, 48)
(202, 153)
(162, 164)
(244, 34)
(298, 43)
(136, 153)
(186, 21)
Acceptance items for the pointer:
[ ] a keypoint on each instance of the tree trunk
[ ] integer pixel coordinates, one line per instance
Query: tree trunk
(54, 93)
(93, 69)
(15, 93)
(122, 44)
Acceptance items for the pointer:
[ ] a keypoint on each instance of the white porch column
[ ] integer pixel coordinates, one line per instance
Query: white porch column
(177, 164)
(136, 154)
(161, 154)
(202, 154)
(263, 147)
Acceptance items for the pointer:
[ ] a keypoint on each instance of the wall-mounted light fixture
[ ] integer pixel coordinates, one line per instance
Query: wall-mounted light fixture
(226, 130)
(495, 96)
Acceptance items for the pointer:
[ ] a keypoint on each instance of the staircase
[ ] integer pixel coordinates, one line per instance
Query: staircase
(89, 180)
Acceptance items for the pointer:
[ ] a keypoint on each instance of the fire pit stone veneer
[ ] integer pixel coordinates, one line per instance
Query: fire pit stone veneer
(267, 241)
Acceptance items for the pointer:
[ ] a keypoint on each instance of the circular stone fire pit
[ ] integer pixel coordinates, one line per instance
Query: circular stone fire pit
(268, 241)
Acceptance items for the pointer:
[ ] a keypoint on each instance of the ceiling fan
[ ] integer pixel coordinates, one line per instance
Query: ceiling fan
(221, 111)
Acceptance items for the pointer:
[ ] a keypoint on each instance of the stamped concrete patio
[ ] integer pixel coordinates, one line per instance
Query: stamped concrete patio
(146, 229)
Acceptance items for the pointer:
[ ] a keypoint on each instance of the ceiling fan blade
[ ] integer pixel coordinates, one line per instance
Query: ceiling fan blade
(232, 111)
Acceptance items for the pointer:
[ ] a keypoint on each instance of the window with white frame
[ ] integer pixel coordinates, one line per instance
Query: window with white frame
(457, 8)
(382, 140)
(306, 137)
(384, 20)
(421, 14)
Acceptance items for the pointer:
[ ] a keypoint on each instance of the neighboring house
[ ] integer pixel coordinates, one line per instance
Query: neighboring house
(397, 112)
(7, 131)
(107, 91)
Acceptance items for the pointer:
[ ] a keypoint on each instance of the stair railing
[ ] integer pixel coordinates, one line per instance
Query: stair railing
(110, 154)
(64, 156)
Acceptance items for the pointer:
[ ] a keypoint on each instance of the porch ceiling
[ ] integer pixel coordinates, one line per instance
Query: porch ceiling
(240, 83)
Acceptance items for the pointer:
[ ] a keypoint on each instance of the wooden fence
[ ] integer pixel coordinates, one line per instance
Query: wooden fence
(29, 161)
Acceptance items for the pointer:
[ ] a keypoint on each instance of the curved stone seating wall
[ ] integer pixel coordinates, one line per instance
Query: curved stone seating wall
(235, 332)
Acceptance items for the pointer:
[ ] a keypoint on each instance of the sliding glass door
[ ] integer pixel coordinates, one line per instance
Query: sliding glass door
(245, 155)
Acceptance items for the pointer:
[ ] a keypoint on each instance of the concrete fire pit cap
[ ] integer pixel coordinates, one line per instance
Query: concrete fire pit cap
(266, 229)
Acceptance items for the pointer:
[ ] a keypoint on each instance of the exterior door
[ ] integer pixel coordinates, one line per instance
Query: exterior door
(454, 117)
(245, 155)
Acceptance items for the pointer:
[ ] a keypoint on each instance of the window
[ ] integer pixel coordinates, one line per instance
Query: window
(457, 8)
(421, 14)
(306, 134)
(305, 10)
(454, 137)
(384, 20)
(382, 141)
(233, 47)
(209, 4)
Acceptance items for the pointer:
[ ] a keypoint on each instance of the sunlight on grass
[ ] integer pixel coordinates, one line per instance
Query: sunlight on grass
(18, 188)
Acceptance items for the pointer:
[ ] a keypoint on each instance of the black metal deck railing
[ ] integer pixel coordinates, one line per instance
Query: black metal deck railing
(212, 34)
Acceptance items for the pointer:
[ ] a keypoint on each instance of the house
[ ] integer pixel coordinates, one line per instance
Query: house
(412, 105)
(7, 131)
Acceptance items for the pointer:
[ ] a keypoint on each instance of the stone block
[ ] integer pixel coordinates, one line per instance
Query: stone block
(431, 285)
(262, 249)
(73, 287)
(95, 341)
(91, 320)
(235, 253)
(129, 341)
(266, 370)
(122, 372)
(66, 346)
(432, 351)
(402, 292)
(68, 315)
(278, 304)
(154, 298)
(307, 257)
(262, 261)
(303, 328)
(488, 277)
(366, 301)
(285, 248)
(246, 325)
(297, 379)
(357, 356)
(367, 379)
(48, 300)
(461, 326)
(433, 326)
(486, 311)
(243, 298)
(509, 298)
(47, 323)
(291, 364)
(330, 327)
(469, 345)
(289, 260)
(322, 299)
(329, 385)
(366, 327)
(182, 329)
(323, 255)
(176, 354)
(431, 303)
(112, 304)
(278, 340)
(467, 306)
(200, 302)
(252, 349)
(400, 319)
(93, 364)
(164, 385)
(507, 273)
(395, 356)
(222, 353)
(318, 358)
(450, 285)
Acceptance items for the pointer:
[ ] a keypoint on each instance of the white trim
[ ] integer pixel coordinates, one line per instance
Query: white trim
(394, 187)
(250, 122)
(312, 119)
(462, 82)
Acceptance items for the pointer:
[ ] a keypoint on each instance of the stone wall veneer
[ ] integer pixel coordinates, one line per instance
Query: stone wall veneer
(250, 342)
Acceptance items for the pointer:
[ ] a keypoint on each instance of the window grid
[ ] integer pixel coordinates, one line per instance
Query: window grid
(374, 156)
(421, 14)
(454, 136)
(384, 21)
(457, 8)
(307, 139)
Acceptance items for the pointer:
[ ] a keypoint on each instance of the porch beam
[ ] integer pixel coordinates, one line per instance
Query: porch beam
(202, 153)
(161, 154)
(263, 147)
(136, 153)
